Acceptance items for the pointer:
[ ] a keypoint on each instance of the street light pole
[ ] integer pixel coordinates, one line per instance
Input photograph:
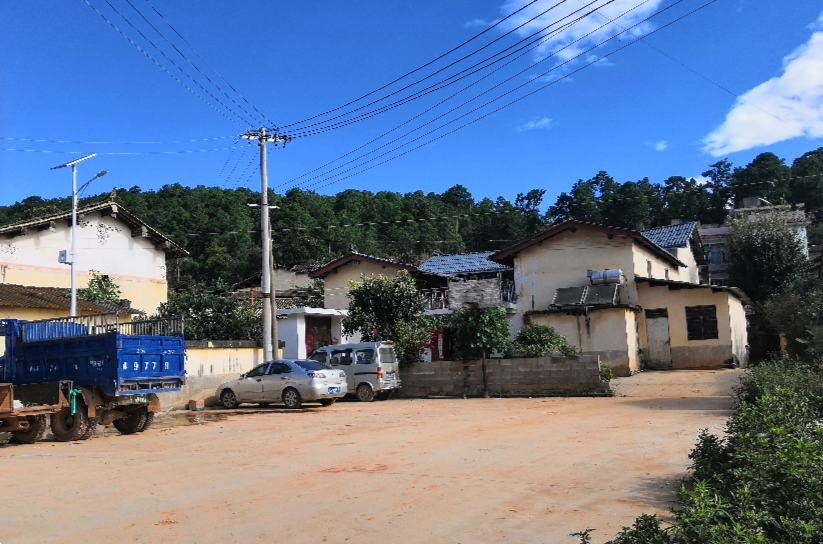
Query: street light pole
(74, 193)
(263, 137)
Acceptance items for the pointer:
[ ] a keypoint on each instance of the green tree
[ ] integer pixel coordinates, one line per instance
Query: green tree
(475, 333)
(806, 185)
(534, 340)
(383, 308)
(101, 288)
(764, 254)
(766, 176)
(796, 311)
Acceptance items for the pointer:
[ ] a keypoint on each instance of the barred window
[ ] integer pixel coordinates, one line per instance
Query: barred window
(701, 322)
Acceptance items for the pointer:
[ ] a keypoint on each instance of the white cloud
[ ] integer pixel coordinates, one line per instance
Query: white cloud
(701, 180)
(572, 10)
(535, 123)
(659, 145)
(474, 23)
(796, 97)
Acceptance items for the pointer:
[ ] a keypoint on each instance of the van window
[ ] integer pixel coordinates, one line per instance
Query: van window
(341, 357)
(365, 356)
(387, 355)
(319, 356)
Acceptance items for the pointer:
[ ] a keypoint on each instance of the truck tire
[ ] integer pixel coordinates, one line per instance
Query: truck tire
(37, 428)
(91, 426)
(292, 398)
(365, 393)
(133, 422)
(147, 423)
(68, 427)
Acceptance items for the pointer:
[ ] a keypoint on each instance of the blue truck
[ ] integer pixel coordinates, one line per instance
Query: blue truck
(84, 371)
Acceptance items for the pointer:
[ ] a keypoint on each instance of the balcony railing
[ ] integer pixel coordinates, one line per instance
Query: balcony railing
(436, 299)
(509, 292)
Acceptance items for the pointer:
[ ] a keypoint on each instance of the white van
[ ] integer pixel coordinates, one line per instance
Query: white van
(371, 368)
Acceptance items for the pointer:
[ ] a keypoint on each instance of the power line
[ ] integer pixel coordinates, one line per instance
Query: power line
(122, 152)
(225, 163)
(82, 142)
(455, 108)
(207, 63)
(416, 69)
(191, 63)
(160, 65)
(442, 84)
(239, 160)
(440, 70)
(537, 78)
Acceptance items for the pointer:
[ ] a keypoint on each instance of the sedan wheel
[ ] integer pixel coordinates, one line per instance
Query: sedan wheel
(292, 398)
(229, 399)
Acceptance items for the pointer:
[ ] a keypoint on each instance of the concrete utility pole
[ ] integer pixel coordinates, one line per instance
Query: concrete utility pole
(269, 317)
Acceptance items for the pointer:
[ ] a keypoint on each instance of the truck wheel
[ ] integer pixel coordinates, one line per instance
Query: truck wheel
(365, 393)
(292, 398)
(147, 423)
(327, 402)
(229, 399)
(133, 421)
(37, 428)
(68, 427)
(91, 426)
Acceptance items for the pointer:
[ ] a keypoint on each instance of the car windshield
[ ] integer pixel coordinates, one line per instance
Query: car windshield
(309, 365)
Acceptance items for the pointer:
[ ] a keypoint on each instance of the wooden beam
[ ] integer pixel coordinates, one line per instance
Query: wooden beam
(50, 226)
(142, 232)
(22, 231)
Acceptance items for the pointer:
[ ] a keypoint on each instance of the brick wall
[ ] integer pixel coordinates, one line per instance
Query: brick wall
(523, 376)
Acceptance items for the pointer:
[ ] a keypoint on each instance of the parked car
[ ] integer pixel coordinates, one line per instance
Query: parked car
(371, 368)
(291, 382)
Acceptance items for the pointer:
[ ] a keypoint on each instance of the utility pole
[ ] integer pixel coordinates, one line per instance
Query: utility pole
(73, 254)
(262, 136)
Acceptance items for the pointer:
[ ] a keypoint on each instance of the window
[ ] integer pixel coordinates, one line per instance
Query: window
(657, 313)
(280, 368)
(259, 370)
(341, 357)
(319, 356)
(310, 365)
(716, 254)
(387, 355)
(701, 322)
(648, 269)
(365, 357)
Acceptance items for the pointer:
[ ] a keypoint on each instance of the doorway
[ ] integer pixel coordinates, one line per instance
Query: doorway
(658, 339)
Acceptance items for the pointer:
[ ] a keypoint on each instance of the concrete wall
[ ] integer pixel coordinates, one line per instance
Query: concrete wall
(209, 364)
(697, 353)
(540, 375)
(609, 334)
(292, 329)
(104, 245)
(336, 284)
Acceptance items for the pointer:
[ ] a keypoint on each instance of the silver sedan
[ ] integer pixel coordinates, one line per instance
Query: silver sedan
(291, 382)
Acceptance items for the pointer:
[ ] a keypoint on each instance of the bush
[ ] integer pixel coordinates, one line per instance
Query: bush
(762, 481)
(535, 340)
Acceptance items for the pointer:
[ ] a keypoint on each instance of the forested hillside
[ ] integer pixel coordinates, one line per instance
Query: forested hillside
(220, 231)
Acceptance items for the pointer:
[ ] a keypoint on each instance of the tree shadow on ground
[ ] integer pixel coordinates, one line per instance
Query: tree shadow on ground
(656, 493)
(722, 404)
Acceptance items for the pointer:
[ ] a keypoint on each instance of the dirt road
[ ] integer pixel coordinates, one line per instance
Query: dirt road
(435, 471)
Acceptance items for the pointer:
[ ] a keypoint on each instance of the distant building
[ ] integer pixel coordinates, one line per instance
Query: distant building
(111, 241)
(35, 303)
(715, 236)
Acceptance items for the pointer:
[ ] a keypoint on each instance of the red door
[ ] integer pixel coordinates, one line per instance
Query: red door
(318, 332)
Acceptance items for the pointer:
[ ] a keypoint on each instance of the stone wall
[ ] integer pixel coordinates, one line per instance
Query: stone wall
(542, 375)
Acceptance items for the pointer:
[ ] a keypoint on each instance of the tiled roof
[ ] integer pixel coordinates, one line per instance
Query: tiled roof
(327, 268)
(137, 225)
(54, 298)
(463, 263)
(671, 235)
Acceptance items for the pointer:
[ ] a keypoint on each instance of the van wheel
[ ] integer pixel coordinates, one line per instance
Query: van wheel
(229, 399)
(68, 427)
(365, 393)
(292, 398)
(37, 428)
(327, 402)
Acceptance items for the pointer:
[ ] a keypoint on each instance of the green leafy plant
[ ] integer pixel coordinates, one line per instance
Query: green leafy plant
(606, 373)
(101, 288)
(475, 333)
(535, 340)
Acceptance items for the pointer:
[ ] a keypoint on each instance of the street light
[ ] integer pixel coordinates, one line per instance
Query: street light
(74, 193)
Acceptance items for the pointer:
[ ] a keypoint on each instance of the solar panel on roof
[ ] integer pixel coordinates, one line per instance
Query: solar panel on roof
(565, 296)
(602, 294)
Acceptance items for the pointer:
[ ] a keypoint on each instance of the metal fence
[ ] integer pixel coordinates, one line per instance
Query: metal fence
(97, 324)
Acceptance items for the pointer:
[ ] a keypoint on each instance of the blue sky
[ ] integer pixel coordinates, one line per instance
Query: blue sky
(68, 75)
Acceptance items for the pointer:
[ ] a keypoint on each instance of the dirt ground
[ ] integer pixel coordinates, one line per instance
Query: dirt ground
(435, 471)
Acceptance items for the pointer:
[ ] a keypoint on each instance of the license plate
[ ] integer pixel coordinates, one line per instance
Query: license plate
(333, 390)
(390, 375)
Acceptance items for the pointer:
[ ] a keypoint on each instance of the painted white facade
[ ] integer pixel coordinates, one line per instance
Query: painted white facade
(291, 329)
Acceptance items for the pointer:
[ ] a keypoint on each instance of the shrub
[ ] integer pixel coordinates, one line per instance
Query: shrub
(535, 340)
